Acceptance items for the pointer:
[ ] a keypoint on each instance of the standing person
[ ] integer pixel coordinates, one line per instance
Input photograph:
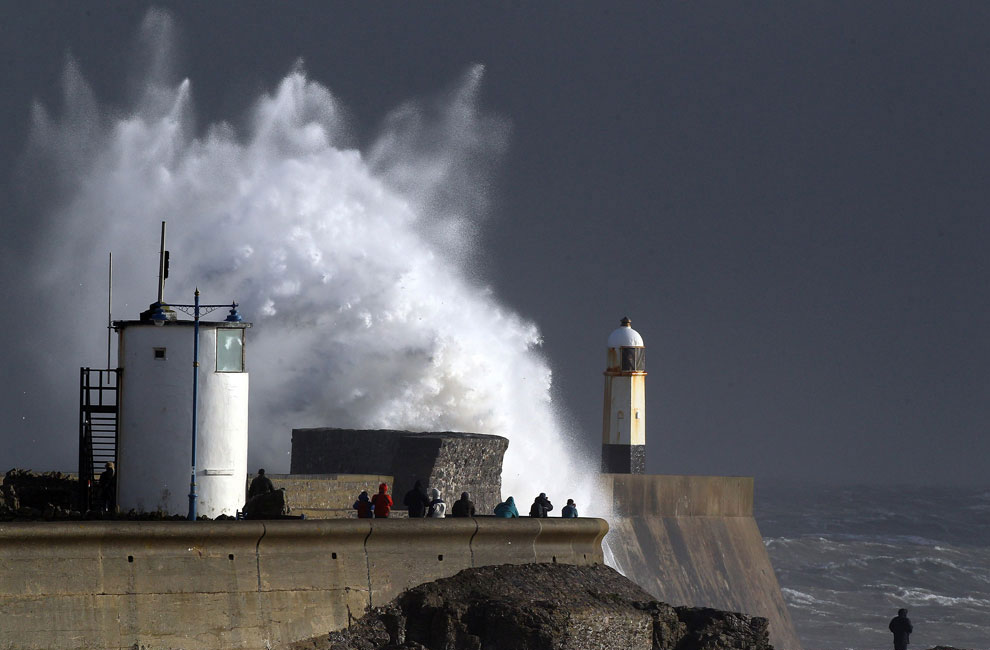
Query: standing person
(416, 501)
(260, 485)
(382, 502)
(463, 507)
(541, 506)
(108, 488)
(363, 506)
(900, 625)
(438, 508)
(570, 510)
(507, 509)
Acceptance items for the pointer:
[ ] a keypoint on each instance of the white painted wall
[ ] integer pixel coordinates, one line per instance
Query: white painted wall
(154, 441)
(625, 409)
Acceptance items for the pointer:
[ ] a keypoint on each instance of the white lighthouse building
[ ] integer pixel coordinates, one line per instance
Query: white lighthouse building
(154, 447)
(624, 411)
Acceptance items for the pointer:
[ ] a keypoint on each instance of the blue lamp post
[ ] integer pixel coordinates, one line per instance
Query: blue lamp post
(159, 317)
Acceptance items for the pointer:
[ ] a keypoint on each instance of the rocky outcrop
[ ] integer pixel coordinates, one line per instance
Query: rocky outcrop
(27, 494)
(537, 607)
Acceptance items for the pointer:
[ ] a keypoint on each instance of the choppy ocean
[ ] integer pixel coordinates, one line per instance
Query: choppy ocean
(848, 557)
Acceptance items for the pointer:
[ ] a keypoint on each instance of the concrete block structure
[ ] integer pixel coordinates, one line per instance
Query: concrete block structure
(449, 461)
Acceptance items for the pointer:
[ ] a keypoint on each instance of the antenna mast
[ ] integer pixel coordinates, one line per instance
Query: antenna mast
(161, 269)
(109, 307)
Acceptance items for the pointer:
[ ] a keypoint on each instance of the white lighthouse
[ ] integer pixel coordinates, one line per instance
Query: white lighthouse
(624, 411)
(182, 438)
(156, 411)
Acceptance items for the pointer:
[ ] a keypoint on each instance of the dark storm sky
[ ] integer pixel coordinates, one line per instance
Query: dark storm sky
(788, 199)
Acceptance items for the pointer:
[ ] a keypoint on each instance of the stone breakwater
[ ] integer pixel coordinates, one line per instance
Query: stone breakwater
(541, 607)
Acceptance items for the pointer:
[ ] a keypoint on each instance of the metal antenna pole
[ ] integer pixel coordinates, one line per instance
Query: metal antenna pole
(161, 269)
(192, 478)
(109, 307)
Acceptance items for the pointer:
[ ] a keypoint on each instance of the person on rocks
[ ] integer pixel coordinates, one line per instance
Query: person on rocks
(463, 507)
(507, 509)
(541, 506)
(261, 484)
(901, 627)
(570, 510)
(382, 502)
(108, 488)
(438, 508)
(363, 506)
(416, 501)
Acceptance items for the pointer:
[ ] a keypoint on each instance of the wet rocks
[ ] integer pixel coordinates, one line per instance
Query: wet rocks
(537, 607)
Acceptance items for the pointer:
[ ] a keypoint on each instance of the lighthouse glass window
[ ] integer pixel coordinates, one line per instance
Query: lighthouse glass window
(230, 350)
(634, 359)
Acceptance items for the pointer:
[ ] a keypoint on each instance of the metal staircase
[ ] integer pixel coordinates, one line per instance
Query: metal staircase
(98, 424)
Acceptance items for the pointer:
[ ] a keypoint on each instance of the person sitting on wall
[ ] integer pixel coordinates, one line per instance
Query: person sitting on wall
(382, 502)
(108, 488)
(541, 506)
(416, 501)
(261, 484)
(463, 507)
(570, 510)
(363, 506)
(507, 509)
(438, 508)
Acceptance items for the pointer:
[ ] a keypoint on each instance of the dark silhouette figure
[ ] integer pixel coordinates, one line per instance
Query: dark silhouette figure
(463, 507)
(108, 489)
(261, 484)
(507, 509)
(541, 506)
(363, 506)
(570, 510)
(382, 502)
(900, 625)
(416, 501)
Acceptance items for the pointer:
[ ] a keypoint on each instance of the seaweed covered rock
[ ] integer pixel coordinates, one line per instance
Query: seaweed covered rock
(541, 607)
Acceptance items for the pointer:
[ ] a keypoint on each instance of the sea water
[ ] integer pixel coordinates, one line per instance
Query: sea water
(847, 558)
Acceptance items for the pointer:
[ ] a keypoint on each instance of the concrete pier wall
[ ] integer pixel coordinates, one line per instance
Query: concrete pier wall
(242, 584)
(692, 540)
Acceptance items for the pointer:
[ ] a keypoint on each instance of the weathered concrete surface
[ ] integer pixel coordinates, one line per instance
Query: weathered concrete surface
(237, 584)
(692, 540)
(450, 461)
(327, 496)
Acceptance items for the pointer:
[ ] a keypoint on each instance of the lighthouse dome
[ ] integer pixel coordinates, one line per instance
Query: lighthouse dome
(625, 336)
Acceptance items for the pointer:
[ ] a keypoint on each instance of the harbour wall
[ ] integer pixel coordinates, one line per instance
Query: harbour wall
(692, 540)
(244, 584)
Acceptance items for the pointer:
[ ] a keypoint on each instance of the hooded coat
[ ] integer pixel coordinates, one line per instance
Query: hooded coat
(901, 627)
(382, 502)
(507, 509)
(541, 506)
(463, 507)
(438, 508)
(363, 506)
(416, 501)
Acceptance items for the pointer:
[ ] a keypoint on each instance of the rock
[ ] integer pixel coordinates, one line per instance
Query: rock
(541, 607)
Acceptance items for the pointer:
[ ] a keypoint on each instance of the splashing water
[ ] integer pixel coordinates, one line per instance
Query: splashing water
(355, 266)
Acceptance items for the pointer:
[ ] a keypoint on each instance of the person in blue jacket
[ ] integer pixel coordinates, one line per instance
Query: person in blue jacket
(507, 509)
(570, 510)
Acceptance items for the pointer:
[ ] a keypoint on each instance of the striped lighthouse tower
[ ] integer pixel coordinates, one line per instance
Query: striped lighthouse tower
(624, 412)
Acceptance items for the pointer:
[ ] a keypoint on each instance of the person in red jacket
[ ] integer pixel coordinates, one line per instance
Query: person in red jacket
(382, 502)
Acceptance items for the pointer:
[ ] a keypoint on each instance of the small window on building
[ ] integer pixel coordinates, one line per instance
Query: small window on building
(230, 350)
(159, 353)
